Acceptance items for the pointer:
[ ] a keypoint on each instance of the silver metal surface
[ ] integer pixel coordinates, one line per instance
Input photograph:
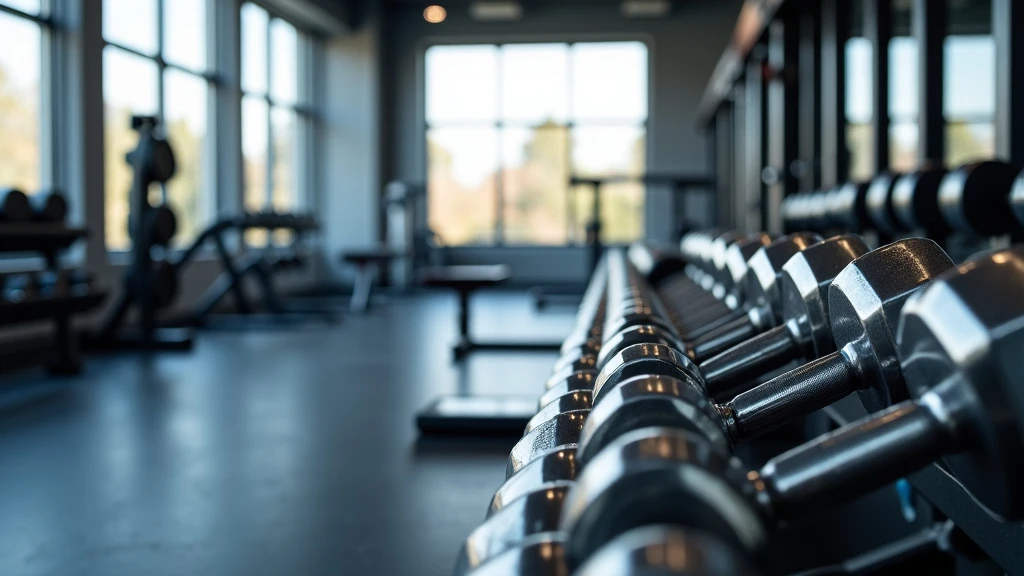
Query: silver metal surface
(562, 430)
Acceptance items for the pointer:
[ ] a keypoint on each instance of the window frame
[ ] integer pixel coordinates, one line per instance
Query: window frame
(574, 236)
(49, 157)
(305, 109)
(214, 83)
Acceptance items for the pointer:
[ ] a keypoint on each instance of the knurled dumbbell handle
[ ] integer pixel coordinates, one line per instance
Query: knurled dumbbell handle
(737, 369)
(796, 393)
(854, 460)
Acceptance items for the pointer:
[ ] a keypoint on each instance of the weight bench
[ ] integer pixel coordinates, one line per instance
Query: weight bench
(367, 264)
(465, 280)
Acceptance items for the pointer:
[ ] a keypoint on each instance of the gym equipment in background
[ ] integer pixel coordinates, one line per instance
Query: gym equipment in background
(149, 284)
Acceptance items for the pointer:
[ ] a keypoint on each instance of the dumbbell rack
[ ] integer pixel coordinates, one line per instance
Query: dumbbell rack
(49, 240)
(999, 539)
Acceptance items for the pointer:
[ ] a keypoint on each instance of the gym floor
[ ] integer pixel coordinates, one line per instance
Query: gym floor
(265, 451)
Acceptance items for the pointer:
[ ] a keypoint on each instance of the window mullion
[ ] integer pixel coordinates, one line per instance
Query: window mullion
(268, 188)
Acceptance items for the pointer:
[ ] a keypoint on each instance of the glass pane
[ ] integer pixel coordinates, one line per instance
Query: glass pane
(284, 60)
(609, 151)
(27, 6)
(462, 165)
(622, 212)
(534, 83)
(185, 33)
(185, 122)
(535, 180)
(129, 87)
(254, 152)
(609, 81)
(462, 83)
(903, 144)
(131, 23)
(19, 104)
(969, 141)
(254, 48)
(860, 146)
(284, 195)
(859, 81)
(903, 88)
(970, 77)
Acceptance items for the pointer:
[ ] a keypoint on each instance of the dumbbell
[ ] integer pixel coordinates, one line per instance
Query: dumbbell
(847, 207)
(18, 288)
(161, 224)
(664, 550)
(762, 304)
(803, 329)
(14, 205)
(660, 550)
(915, 201)
(49, 205)
(975, 199)
(538, 555)
(534, 513)
(864, 302)
(878, 204)
(959, 341)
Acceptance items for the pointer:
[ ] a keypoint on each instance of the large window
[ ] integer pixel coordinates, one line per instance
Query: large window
(507, 126)
(904, 135)
(969, 94)
(276, 113)
(860, 109)
(156, 62)
(22, 115)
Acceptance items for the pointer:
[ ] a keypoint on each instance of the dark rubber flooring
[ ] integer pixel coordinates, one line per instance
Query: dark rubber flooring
(264, 451)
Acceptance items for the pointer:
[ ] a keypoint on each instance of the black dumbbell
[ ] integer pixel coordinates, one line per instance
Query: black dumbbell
(975, 199)
(14, 205)
(161, 224)
(803, 329)
(915, 201)
(49, 205)
(864, 301)
(878, 205)
(847, 207)
(762, 303)
(959, 344)
(17, 288)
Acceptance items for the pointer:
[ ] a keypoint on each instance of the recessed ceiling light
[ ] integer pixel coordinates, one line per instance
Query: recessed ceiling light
(645, 8)
(496, 10)
(435, 14)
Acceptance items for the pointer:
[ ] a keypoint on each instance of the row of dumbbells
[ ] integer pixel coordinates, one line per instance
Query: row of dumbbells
(31, 286)
(44, 206)
(633, 466)
(981, 199)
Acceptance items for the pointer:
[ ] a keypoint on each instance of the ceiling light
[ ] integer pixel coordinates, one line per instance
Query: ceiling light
(435, 14)
(495, 11)
(645, 8)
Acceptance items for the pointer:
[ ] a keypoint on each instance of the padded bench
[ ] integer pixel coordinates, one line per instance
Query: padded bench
(367, 263)
(465, 280)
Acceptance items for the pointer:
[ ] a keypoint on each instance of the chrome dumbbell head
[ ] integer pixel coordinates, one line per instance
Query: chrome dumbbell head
(536, 512)
(562, 430)
(666, 551)
(554, 466)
